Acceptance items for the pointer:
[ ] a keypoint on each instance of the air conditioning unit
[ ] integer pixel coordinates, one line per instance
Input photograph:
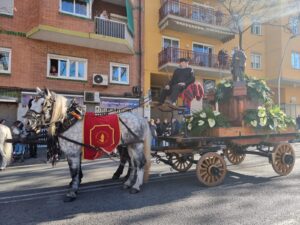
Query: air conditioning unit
(92, 97)
(100, 79)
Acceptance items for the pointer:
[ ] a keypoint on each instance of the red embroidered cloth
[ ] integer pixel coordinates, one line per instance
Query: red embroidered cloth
(100, 131)
(194, 90)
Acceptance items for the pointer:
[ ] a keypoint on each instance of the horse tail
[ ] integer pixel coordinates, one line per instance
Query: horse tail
(147, 151)
(7, 147)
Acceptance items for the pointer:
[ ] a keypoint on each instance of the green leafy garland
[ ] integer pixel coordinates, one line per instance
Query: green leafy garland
(205, 119)
(268, 118)
(257, 90)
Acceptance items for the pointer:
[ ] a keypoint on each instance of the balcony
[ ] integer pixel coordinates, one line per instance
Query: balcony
(202, 63)
(197, 20)
(106, 35)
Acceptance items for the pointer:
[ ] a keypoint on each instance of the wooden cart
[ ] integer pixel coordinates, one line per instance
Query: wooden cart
(211, 167)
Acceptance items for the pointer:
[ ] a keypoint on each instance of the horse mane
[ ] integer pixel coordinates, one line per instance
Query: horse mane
(59, 111)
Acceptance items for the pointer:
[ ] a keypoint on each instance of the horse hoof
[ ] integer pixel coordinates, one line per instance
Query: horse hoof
(125, 187)
(134, 191)
(115, 177)
(70, 196)
(69, 199)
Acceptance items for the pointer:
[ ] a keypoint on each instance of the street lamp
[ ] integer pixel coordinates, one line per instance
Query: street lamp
(280, 67)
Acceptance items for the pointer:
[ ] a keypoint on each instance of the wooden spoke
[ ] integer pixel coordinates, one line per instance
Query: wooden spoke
(283, 159)
(233, 156)
(181, 162)
(211, 169)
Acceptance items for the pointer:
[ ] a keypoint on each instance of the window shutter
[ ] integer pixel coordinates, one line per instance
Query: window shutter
(7, 7)
(130, 21)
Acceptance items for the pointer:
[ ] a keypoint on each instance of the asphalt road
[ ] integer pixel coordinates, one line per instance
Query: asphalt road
(252, 193)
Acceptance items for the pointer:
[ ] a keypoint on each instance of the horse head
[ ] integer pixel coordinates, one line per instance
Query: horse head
(40, 110)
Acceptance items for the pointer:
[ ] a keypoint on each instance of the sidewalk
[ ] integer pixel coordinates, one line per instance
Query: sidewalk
(40, 159)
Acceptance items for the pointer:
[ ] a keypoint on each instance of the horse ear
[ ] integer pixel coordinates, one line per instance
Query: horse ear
(48, 93)
(39, 91)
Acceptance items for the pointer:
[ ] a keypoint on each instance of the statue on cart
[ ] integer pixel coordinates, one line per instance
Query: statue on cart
(238, 65)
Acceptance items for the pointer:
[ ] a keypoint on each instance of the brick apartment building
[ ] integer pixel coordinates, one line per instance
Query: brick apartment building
(65, 46)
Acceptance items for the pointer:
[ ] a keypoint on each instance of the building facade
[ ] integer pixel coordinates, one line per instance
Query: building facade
(200, 30)
(68, 47)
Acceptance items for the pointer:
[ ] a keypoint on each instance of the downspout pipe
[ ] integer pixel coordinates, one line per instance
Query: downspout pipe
(140, 44)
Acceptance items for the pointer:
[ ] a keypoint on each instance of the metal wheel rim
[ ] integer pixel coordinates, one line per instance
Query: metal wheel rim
(233, 157)
(205, 163)
(278, 164)
(180, 163)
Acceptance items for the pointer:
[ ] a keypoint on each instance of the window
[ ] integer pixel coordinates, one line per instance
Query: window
(171, 46)
(7, 7)
(67, 67)
(202, 54)
(255, 61)
(76, 7)
(256, 28)
(119, 73)
(170, 42)
(294, 24)
(5, 60)
(296, 60)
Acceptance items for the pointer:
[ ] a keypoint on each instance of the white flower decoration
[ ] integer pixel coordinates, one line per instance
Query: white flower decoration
(263, 121)
(211, 122)
(191, 119)
(200, 123)
(203, 115)
(275, 123)
(261, 112)
(216, 113)
(251, 84)
(227, 84)
(189, 127)
(253, 123)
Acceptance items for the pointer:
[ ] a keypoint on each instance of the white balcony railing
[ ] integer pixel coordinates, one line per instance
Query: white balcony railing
(112, 28)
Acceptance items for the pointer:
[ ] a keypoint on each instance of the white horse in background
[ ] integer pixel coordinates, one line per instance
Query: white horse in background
(5, 147)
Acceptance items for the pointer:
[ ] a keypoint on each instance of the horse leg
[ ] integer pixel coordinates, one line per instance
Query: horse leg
(74, 162)
(132, 171)
(129, 166)
(123, 160)
(135, 180)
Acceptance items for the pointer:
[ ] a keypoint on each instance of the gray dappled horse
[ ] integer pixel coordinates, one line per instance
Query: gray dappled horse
(5, 147)
(51, 109)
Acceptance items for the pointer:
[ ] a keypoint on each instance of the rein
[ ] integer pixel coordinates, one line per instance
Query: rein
(83, 145)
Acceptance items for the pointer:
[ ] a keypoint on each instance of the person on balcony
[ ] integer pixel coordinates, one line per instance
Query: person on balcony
(182, 77)
(104, 15)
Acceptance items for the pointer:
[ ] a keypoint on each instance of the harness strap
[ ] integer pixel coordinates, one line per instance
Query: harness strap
(130, 131)
(89, 146)
(82, 144)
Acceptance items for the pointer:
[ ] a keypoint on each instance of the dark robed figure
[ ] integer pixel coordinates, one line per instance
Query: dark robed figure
(182, 77)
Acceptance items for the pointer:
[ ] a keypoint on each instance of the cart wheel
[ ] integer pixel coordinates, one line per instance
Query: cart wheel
(211, 169)
(181, 162)
(283, 159)
(233, 156)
